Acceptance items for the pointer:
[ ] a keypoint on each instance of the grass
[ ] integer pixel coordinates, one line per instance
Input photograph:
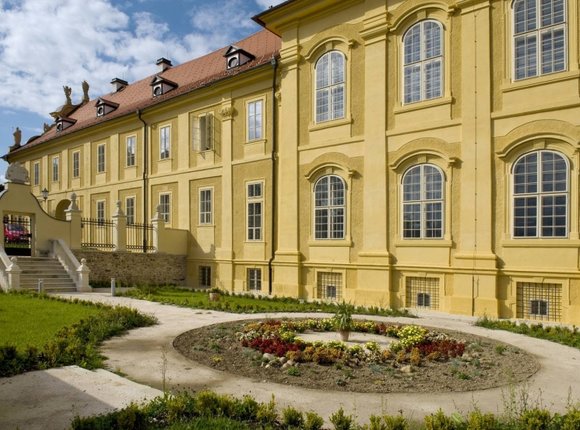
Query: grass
(27, 320)
(197, 299)
(558, 334)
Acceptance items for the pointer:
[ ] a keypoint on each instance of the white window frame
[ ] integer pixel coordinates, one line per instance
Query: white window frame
(329, 90)
(101, 158)
(76, 164)
(537, 33)
(130, 151)
(205, 206)
(100, 210)
(255, 120)
(165, 142)
(165, 207)
(424, 202)
(332, 209)
(423, 64)
(539, 195)
(130, 209)
(254, 279)
(254, 220)
(36, 173)
(203, 136)
(55, 168)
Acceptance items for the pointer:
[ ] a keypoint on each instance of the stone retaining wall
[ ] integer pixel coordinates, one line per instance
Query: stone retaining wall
(132, 268)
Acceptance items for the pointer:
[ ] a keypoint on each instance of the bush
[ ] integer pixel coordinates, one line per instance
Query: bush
(440, 421)
(292, 418)
(535, 419)
(341, 421)
(313, 421)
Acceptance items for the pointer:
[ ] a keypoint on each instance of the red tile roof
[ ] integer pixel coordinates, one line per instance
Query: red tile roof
(189, 76)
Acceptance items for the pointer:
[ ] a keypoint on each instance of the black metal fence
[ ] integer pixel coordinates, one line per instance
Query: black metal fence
(97, 233)
(140, 237)
(17, 235)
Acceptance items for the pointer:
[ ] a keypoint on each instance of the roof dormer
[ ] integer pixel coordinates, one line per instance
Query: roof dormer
(162, 86)
(236, 57)
(119, 84)
(105, 106)
(63, 123)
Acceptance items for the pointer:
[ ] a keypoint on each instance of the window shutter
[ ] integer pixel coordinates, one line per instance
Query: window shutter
(209, 118)
(196, 134)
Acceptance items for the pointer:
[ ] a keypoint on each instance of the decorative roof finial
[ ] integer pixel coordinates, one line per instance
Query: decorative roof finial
(67, 94)
(85, 92)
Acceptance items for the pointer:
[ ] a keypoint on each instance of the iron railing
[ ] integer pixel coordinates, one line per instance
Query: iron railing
(17, 235)
(140, 237)
(97, 233)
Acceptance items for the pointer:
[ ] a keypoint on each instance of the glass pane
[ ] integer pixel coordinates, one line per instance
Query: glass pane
(433, 81)
(412, 184)
(433, 183)
(412, 220)
(337, 68)
(412, 85)
(412, 45)
(432, 39)
(323, 72)
(338, 101)
(321, 224)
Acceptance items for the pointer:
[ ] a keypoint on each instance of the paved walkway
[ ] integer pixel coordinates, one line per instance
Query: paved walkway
(49, 399)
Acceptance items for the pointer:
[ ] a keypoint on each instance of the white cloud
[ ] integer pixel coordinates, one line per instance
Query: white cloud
(47, 44)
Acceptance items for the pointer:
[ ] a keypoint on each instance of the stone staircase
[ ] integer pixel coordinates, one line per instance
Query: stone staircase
(54, 276)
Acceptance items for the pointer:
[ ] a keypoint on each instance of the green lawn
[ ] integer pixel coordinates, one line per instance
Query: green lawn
(27, 320)
(244, 303)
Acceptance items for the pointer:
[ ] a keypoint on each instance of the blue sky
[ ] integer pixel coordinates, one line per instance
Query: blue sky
(47, 44)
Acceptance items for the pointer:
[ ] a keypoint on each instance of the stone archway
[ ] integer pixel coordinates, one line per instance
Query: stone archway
(59, 212)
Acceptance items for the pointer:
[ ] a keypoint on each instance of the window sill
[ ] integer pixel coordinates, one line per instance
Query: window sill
(541, 243)
(425, 104)
(255, 141)
(329, 243)
(329, 124)
(206, 226)
(424, 243)
(539, 81)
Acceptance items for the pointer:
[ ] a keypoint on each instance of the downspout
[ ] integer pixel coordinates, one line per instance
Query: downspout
(145, 180)
(274, 63)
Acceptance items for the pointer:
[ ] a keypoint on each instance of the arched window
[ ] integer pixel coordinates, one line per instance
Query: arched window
(330, 91)
(539, 37)
(423, 202)
(423, 62)
(541, 195)
(329, 208)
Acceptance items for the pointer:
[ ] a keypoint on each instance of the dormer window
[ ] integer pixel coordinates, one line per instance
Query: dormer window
(161, 86)
(105, 106)
(64, 123)
(119, 84)
(236, 57)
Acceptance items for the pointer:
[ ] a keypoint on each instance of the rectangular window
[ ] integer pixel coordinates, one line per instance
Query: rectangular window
(100, 209)
(76, 164)
(255, 120)
(164, 142)
(254, 215)
(205, 276)
(130, 210)
(130, 150)
(329, 286)
(36, 173)
(203, 133)
(255, 279)
(165, 206)
(100, 158)
(205, 206)
(55, 169)
(422, 292)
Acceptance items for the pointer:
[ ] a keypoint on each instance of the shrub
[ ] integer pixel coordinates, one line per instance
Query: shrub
(341, 421)
(266, 414)
(388, 422)
(535, 419)
(479, 421)
(440, 421)
(292, 418)
(313, 421)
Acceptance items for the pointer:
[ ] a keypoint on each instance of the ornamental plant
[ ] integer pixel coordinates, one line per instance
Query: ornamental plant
(343, 317)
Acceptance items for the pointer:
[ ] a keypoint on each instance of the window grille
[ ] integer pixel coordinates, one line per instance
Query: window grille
(422, 292)
(55, 169)
(255, 120)
(165, 206)
(205, 206)
(539, 301)
(131, 141)
(76, 169)
(36, 174)
(100, 158)
(329, 208)
(254, 279)
(329, 286)
(255, 212)
(330, 80)
(164, 142)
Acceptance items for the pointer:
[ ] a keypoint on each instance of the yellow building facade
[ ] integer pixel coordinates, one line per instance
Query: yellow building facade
(405, 154)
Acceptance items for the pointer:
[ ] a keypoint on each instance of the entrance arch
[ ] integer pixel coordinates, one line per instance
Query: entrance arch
(60, 208)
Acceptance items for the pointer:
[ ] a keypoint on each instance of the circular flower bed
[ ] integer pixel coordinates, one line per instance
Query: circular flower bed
(411, 343)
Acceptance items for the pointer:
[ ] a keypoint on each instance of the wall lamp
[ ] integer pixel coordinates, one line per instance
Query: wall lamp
(44, 193)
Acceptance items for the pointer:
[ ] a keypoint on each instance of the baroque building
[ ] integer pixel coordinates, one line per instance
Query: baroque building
(393, 153)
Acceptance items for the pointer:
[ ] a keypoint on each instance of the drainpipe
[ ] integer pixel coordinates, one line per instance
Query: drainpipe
(274, 63)
(145, 180)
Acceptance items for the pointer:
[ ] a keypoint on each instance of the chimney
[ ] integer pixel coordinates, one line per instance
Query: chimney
(118, 84)
(163, 64)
